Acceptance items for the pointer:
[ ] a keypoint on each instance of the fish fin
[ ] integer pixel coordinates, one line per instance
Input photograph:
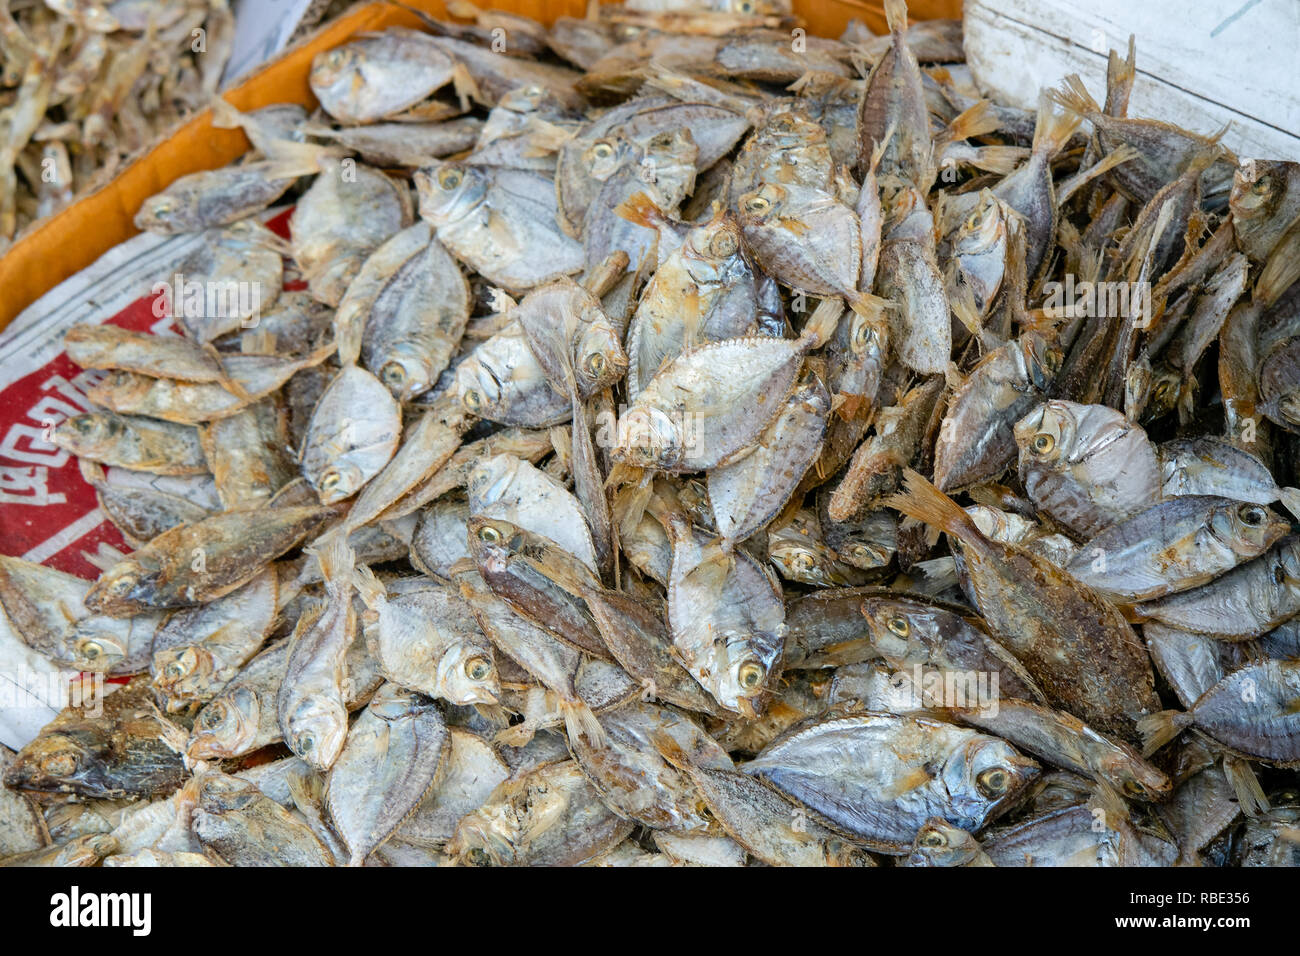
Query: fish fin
(896, 16)
(1074, 98)
(641, 210)
(1250, 795)
(520, 735)
(921, 500)
(1108, 162)
(1290, 498)
(962, 303)
(1159, 728)
(671, 751)
(1053, 130)
(580, 721)
(825, 318)
(466, 89)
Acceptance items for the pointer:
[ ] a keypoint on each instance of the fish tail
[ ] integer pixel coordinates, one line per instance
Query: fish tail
(290, 160)
(1250, 795)
(641, 210)
(1002, 160)
(1108, 799)
(369, 587)
(1159, 728)
(1073, 98)
(337, 560)
(896, 16)
(580, 721)
(921, 500)
(1290, 498)
(977, 120)
(1053, 130)
(825, 318)
(225, 115)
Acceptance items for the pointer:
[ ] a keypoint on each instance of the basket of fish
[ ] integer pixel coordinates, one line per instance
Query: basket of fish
(667, 437)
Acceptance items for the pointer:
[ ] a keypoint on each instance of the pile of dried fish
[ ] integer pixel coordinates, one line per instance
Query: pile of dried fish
(577, 511)
(86, 85)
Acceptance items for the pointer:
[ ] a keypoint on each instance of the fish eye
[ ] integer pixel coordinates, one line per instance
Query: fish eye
(723, 245)
(478, 668)
(745, 6)
(976, 220)
(478, 857)
(174, 670)
(899, 626)
(758, 204)
(1133, 788)
(306, 743)
(603, 149)
(1252, 515)
(449, 179)
(803, 561)
(91, 650)
(163, 206)
(213, 715)
(861, 337)
(473, 400)
(1043, 443)
(993, 782)
(393, 374)
(59, 765)
(751, 675)
(1262, 186)
(331, 479)
(489, 534)
(933, 838)
(595, 364)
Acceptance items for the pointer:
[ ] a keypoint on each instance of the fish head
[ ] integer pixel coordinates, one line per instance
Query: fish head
(1248, 529)
(121, 589)
(163, 213)
(1162, 392)
(220, 793)
(1136, 779)
(406, 371)
(54, 762)
(606, 156)
(600, 360)
(478, 388)
(668, 164)
(490, 480)
(96, 648)
(339, 67)
(449, 192)
(86, 434)
(983, 777)
(806, 561)
(738, 674)
(939, 843)
(184, 671)
(226, 727)
(790, 128)
(1256, 191)
(340, 480)
(648, 437)
(762, 205)
(983, 229)
(485, 837)
(1046, 435)
(315, 730)
(1042, 359)
(468, 675)
(901, 631)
